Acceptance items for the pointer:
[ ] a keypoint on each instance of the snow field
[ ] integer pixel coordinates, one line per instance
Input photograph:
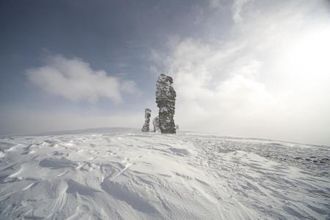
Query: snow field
(133, 175)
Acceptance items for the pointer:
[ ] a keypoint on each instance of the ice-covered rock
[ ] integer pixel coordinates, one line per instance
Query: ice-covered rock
(165, 99)
(147, 115)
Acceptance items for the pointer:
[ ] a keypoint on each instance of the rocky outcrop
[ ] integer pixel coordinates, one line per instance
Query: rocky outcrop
(165, 99)
(147, 115)
(155, 123)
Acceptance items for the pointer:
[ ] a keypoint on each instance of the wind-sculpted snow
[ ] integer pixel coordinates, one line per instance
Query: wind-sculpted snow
(134, 175)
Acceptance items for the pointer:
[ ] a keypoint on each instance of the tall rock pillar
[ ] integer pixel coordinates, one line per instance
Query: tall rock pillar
(165, 99)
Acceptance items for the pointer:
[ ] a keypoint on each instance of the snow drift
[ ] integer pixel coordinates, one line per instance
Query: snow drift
(123, 174)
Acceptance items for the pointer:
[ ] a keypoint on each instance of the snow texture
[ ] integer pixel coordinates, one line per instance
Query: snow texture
(126, 174)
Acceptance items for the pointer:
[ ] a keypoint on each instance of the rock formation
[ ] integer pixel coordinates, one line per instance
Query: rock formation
(147, 115)
(165, 99)
(155, 122)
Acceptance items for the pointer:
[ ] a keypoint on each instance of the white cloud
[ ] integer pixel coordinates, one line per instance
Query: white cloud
(75, 80)
(269, 78)
(237, 9)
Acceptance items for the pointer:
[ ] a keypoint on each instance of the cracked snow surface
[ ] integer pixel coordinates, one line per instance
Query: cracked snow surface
(125, 174)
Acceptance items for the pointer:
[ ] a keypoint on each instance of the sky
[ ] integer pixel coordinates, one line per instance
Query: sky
(247, 68)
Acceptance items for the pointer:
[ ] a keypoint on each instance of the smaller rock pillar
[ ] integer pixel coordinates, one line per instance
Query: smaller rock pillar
(147, 115)
(155, 123)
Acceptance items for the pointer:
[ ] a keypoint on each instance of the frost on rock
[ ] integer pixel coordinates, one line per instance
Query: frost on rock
(147, 116)
(155, 123)
(165, 99)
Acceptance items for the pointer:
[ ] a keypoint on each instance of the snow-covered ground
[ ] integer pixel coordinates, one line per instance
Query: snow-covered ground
(126, 174)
